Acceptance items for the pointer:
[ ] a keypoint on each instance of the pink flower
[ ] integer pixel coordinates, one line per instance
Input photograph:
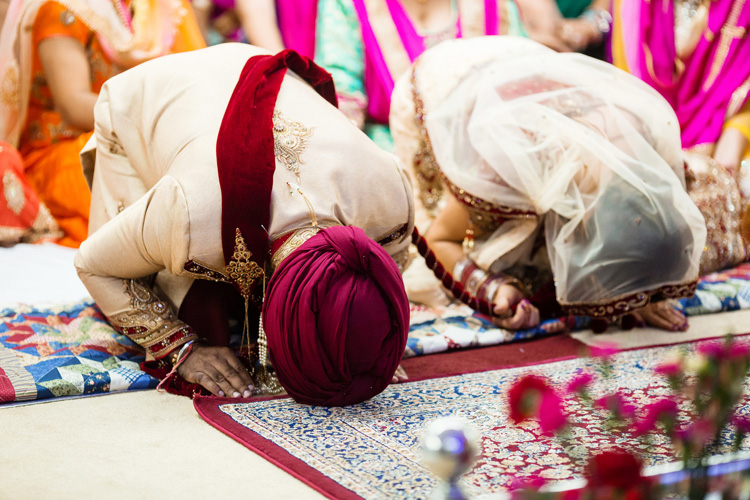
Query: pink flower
(739, 350)
(664, 409)
(551, 415)
(712, 350)
(699, 433)
(525, 397)
(614, 469)
(531, 396)
(742, 423)
(579, 383)
(669, 369)
(617, 405)
(604, 349)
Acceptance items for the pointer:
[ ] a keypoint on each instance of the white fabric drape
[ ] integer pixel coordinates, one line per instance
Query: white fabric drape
(592, 151)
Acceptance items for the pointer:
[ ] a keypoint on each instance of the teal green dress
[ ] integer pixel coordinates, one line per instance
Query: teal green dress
(340, 50)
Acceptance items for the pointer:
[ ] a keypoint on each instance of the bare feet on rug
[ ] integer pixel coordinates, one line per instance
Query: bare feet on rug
(218, 370)
(400, 375)
(663, 315)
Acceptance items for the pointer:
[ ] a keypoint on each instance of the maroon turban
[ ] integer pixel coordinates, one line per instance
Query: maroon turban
(337, 318)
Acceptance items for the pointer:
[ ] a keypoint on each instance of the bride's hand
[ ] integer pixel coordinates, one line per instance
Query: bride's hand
(525, 316)
(663, 315)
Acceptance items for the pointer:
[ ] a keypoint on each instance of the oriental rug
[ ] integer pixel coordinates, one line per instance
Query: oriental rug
(65, 351)
(456, 326)
(371, 450)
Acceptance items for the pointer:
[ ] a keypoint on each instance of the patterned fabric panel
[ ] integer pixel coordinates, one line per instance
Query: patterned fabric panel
(435, 330)
(68, 351)
(727, 290)
(373, 448)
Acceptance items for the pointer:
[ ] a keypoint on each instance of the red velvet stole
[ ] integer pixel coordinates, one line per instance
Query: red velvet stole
(244, 149)
(246, 164)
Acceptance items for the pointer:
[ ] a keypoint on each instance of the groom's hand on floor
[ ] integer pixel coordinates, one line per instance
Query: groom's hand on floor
(218, 370)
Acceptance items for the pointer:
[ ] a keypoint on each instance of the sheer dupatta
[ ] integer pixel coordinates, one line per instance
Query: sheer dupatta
(582, 153)
(127, 40)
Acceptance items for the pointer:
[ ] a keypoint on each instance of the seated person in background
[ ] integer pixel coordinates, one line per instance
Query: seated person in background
(695, 54)
(273, 25)
(223, 189)
(560, 168)
(53, 65)
(23, 219)
(568, 25)
(218, 21)
(368, 45)
(281, 24)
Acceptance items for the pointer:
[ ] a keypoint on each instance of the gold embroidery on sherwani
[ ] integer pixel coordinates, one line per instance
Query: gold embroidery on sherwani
(13, 191)
(150, 323)
(205, 272)
(289, 141)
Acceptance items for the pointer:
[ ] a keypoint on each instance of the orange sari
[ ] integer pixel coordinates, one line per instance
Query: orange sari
(49, 145)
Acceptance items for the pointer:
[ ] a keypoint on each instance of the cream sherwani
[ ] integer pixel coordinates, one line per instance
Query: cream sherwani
(156, 197)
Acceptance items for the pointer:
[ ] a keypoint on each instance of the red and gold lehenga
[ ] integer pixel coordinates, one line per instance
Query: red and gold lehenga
(23, 218)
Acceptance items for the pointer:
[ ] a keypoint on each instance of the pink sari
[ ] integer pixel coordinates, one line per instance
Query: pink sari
(714, 83)
(392, 44)
(297, 24)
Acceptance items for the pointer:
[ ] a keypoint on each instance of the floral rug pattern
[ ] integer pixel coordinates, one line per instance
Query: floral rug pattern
(373, 448)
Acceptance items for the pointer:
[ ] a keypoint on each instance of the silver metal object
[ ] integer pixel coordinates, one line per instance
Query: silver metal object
(449, 447)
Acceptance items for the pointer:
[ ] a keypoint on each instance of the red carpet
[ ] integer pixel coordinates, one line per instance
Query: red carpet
(523, 353)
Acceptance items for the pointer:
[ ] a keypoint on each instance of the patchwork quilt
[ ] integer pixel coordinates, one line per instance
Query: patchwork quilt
(434, 330)
(65, 351)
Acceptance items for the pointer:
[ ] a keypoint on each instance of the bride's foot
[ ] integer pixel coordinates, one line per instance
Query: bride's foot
(663, 315)
(399, 376)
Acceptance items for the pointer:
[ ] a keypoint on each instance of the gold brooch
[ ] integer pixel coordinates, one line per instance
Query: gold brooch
(241, 269)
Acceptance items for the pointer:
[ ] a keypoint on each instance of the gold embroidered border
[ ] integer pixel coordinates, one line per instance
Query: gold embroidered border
(293, 243)
(392, 235)
(426, 168)
(729, 33)
(15, 198)
(298, 237)
(150, 323)
(739, 98)
(628, 303)
(202, 271)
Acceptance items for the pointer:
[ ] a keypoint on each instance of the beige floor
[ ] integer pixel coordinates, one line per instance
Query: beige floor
(140, 445)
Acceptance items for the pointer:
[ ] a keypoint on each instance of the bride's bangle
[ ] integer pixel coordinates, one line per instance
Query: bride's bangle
(481, 284)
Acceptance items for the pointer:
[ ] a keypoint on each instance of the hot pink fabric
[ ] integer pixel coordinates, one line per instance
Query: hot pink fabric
(701, 111)
(297, 24)
(337, 318)
(379, 82)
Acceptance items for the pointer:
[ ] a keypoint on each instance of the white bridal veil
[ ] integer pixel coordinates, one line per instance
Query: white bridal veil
(576, 148)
